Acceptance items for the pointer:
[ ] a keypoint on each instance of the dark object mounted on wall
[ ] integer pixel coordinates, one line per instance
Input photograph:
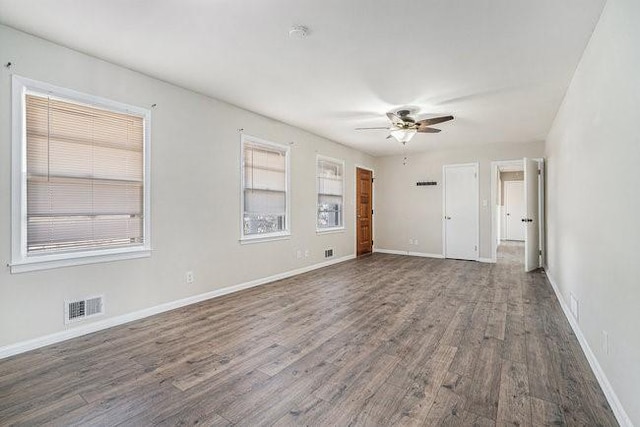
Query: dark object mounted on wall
(421, 183)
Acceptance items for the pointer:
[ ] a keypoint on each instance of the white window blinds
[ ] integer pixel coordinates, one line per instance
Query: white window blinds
(265, 189)
(85, 177)
(330, 177)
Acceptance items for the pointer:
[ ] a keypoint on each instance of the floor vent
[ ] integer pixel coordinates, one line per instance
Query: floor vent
(82, 309)
(328, 253)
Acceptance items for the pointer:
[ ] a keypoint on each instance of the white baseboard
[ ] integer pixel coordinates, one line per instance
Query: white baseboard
(425, 255)
(420, 254)
(390, 251)
(32, 344)
(612, 398)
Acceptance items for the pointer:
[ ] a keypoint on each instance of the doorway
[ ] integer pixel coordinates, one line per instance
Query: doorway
(517, 197)
(461, 211)
(364, 211)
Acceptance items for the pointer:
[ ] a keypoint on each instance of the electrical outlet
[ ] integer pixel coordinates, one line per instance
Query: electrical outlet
(415, 242)
(189, 277)
(574, 306)
(306, 253)
(605, 342)
(411, 241)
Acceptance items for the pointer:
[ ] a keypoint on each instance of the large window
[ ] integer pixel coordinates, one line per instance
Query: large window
(80, 178)
(330, 177)
(265, 187)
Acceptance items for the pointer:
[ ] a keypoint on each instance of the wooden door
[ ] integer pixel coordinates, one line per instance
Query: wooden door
(461, 211)
(364, 212)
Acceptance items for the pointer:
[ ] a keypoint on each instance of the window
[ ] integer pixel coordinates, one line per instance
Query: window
(80, 178)
(265, 188)
(330, 177)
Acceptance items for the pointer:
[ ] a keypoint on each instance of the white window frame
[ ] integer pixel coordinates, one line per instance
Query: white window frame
(21, 261)
(342, 163)
(279, 235)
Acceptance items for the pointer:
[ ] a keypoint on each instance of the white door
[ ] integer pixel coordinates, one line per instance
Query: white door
(461, 211)
(514, 210)
(532, 223)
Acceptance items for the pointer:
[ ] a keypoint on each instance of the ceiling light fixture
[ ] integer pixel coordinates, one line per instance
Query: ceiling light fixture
(403, 135)
(298, 32)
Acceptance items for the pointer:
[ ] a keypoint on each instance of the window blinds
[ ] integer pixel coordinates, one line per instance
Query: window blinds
(85, 176)
(265, 189)
(330, 193)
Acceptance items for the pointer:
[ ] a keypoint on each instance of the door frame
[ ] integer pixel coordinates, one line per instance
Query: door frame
(444, 206)
(506, 200)
(494, 203)
(355, 207)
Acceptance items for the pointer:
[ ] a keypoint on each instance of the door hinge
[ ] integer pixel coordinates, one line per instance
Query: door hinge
(539, 172)
(371, 211)
(540, 252)
(475, 174)
(372, 243)
(372, 180)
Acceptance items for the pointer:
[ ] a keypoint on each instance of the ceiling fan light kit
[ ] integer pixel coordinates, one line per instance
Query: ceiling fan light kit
(403, 135)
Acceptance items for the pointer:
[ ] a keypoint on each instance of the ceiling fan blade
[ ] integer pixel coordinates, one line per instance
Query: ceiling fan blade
(395, 119)
(434, 121)
(428, 130)
(375, 128)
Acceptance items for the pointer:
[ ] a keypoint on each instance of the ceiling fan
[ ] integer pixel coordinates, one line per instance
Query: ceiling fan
(404, 127)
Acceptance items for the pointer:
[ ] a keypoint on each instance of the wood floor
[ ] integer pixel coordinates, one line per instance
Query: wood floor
(382, 340)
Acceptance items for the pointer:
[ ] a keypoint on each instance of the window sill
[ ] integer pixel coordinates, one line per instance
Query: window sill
(330, 230)
(69, 260)
(260, 239)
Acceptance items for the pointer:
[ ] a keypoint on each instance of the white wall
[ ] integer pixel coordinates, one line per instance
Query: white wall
(405, 211)
(195, 157)
(593, 206)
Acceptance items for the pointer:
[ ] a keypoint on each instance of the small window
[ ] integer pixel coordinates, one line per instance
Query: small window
(80, 178)
(265, 188)
(330, 177)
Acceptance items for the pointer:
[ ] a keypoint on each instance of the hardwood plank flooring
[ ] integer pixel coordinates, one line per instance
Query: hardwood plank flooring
(381, 340)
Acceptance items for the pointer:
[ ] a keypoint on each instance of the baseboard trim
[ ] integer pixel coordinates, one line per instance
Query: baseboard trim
(32, 344)
(409, 253)
(612, 398)
(426, 255)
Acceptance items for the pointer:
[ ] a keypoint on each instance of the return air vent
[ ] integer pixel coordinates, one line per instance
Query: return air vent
(82, 309)
(328, 253)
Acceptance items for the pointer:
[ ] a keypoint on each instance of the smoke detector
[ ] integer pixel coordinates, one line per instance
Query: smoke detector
(298, 32)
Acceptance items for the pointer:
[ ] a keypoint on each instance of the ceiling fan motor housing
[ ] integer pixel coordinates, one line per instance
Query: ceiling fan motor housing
(404, 115)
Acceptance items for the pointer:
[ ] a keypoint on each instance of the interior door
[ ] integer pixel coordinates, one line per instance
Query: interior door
(461, 213)
(514, 210)
(364, 212)
(532, 222)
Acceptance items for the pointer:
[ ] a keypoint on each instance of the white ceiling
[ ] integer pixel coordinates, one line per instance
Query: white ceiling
(501, 67)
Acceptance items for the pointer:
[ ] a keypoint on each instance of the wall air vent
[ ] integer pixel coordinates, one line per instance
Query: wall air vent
(82, 309)
(328, 253)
